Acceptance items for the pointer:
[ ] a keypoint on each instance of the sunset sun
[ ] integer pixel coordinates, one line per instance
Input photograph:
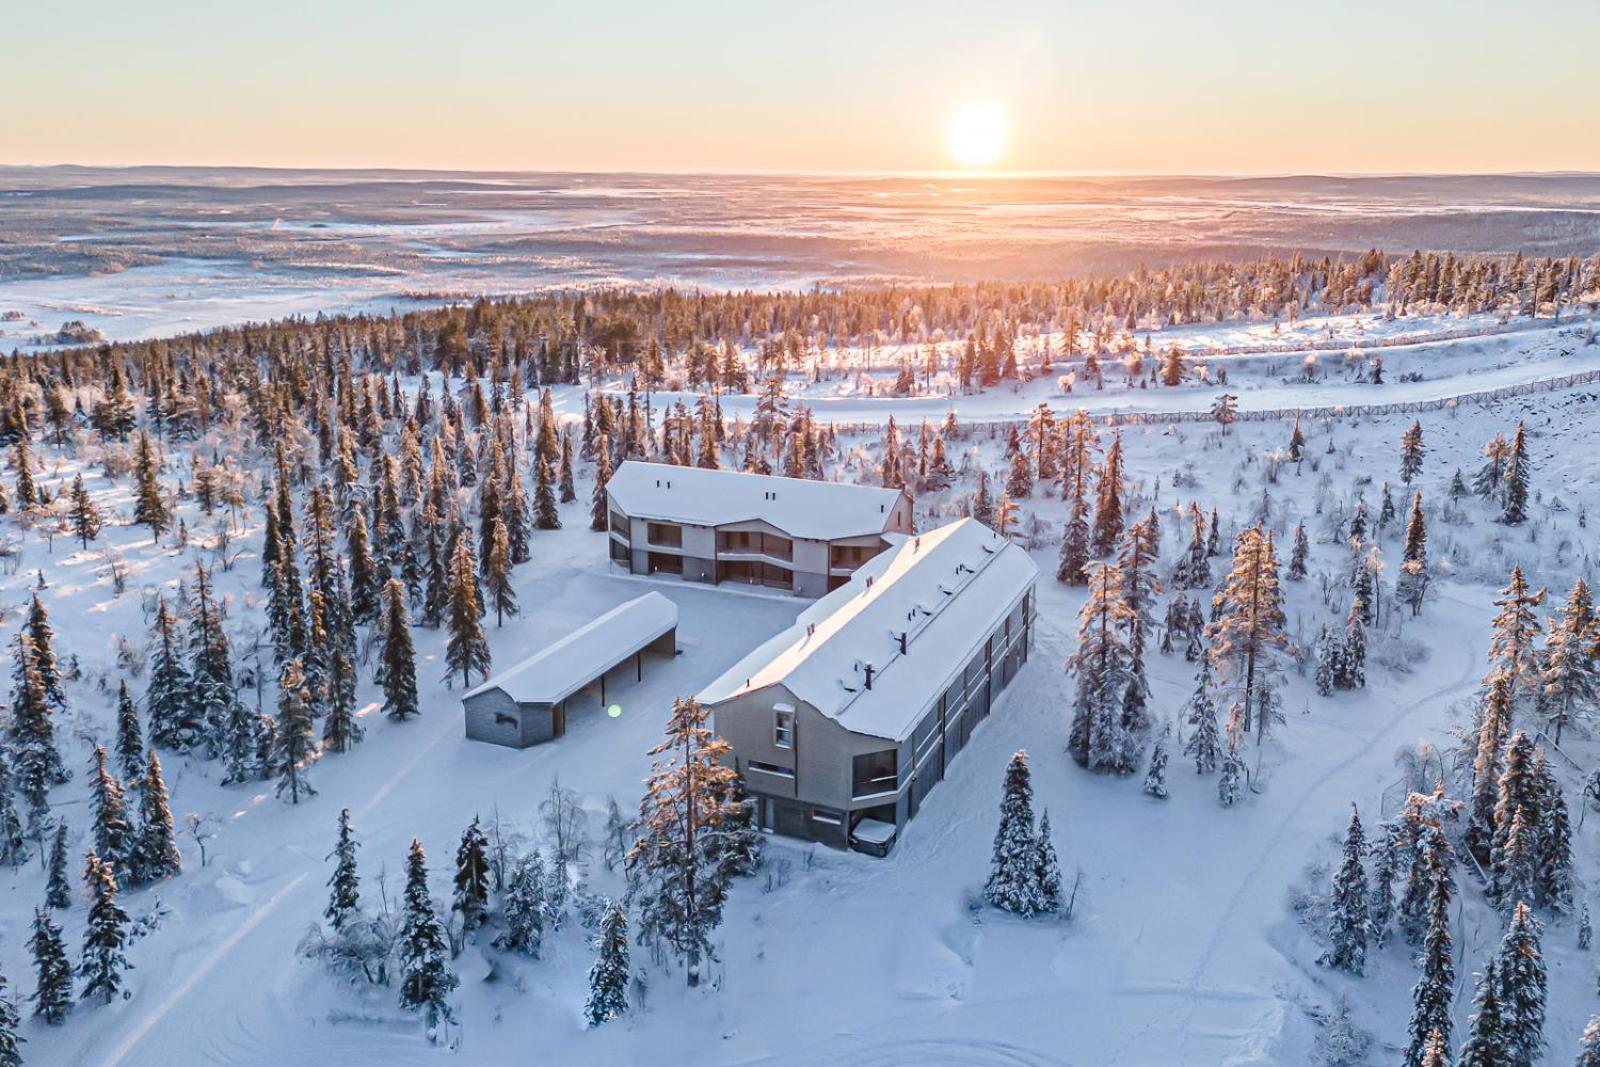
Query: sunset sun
(975, 134)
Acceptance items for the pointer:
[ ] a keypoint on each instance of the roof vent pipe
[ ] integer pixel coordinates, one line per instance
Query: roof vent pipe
(869, 673)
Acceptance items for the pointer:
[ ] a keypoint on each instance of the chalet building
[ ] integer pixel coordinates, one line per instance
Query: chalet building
(715, 526)
(842, 724)
(528, 703)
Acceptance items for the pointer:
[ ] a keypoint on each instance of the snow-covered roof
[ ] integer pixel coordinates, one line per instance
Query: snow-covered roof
(798, 506)
(559, 670)
(943, 590)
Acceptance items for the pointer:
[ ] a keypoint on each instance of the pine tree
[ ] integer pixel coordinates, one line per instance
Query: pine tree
(52, 994)
(1204, 745)
(103, 962)
(472, 878)
(524, 906)
(1348, 923)
(294, 743)
(1486, 1044)
(673, 860)
(426, 978)
(397, 671)
(1249, 628)
(157, 848)
(1430, 999)
(1013, 883)
(82, 513)
(1521, 989)
(608, 977)
(57, 891)
(344, 885)
(114, 838)
(467, 650)
(130, 739)
(149, 509)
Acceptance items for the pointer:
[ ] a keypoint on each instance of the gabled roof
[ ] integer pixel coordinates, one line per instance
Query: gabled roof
(944, 590)
(559, 670)
(798, 506)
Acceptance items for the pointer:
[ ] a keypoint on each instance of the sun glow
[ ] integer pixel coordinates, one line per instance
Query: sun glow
(975, 134)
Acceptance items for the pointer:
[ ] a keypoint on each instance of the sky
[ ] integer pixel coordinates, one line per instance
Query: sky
(1141, 86)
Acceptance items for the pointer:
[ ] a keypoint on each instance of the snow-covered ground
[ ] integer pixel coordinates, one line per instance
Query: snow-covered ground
(1182, 948)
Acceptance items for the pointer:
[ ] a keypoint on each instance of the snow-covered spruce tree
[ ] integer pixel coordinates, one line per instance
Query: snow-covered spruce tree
(114, 838)
(130, 739)
(672, 863)
(366, 590)
(1248, 630)
(1352, 662)
(1347, 921)
(344, 885)
(149, 508)
(1431, 858)
(57, 890)
(1411, 452)
(497, 574)
(82, 514)
(1569, 684)
(608, 977)
(1494, 724)
(471, 898)
(599, 503)
(214, 701)
(1155, 776)
(13, 835)
(156, 854)
(1047, 868)
(1411, 587)
(295, 744)
(33, 746)
(1099, 737)
(1137, 555)
(1552, 865)
(44, 653)
(1431, 997)
(397, 663)
(52, 991)
(1230, 784)
(467, 650)
(1013, 880)
(1515, 479)
(1585, 929)
(1299, 554)
(1330, 666)
(102, 961)
(1074, 545)
(286, 613)
(1204, 745)
(1511, 871)
(523, 906)
(1486, 1044)
(1519, 966)
(1193, 570)
(169, 700)
(1108, 501)
(982, 506)
(1386, 857)
(1511, 650)
(546, 515)
(426, 977)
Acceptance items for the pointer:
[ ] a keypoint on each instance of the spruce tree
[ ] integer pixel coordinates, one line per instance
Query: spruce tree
(467, 650)
(1013, 880)
(426, 978)
(38, 761)
(114, 837)
(1100, 738)
(169, 700)
(1047, 869)
(608, 977)
(1411, 588)
(13, 836)
(1300, 553)
(497, 574)
(82, 513)
(523, 906)
(472, 878)
(149, 508)
(366, 588)
(1430, 999)
(1074, 545)
(157, 848)
(1205, 744)
(294, 746)
(1515, 479)
(1589, 1050)
(1519, 965)
(568, 492)
(1155, 776)
(1249, 629)
(58, 891)
(103, 962)
(1347, 922)
(546, 516)
(52, 992)
(1108, 501)
(599, 504)
(1494, 723)
(1411, 452)
(397, 664)
(1486, 1044)
(344, 886)
(1569, 683)
(130, 739)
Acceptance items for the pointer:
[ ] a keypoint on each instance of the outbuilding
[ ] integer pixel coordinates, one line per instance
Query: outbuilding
(528, 703)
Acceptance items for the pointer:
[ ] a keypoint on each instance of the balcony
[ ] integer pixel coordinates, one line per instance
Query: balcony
(755, 546)
(664, 535)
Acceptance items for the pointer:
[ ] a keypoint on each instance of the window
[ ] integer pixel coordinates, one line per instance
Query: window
(668, 535)
(874, 773)
(770, 768)
(783, 727)
(830, 818)
(619, 524)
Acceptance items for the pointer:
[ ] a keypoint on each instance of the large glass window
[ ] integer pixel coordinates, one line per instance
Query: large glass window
(666, 534)
(875, 772)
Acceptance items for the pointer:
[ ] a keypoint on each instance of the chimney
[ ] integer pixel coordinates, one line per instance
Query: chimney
(869, 672)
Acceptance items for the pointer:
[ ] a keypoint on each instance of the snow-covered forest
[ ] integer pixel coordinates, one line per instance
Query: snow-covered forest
(1298, 771)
